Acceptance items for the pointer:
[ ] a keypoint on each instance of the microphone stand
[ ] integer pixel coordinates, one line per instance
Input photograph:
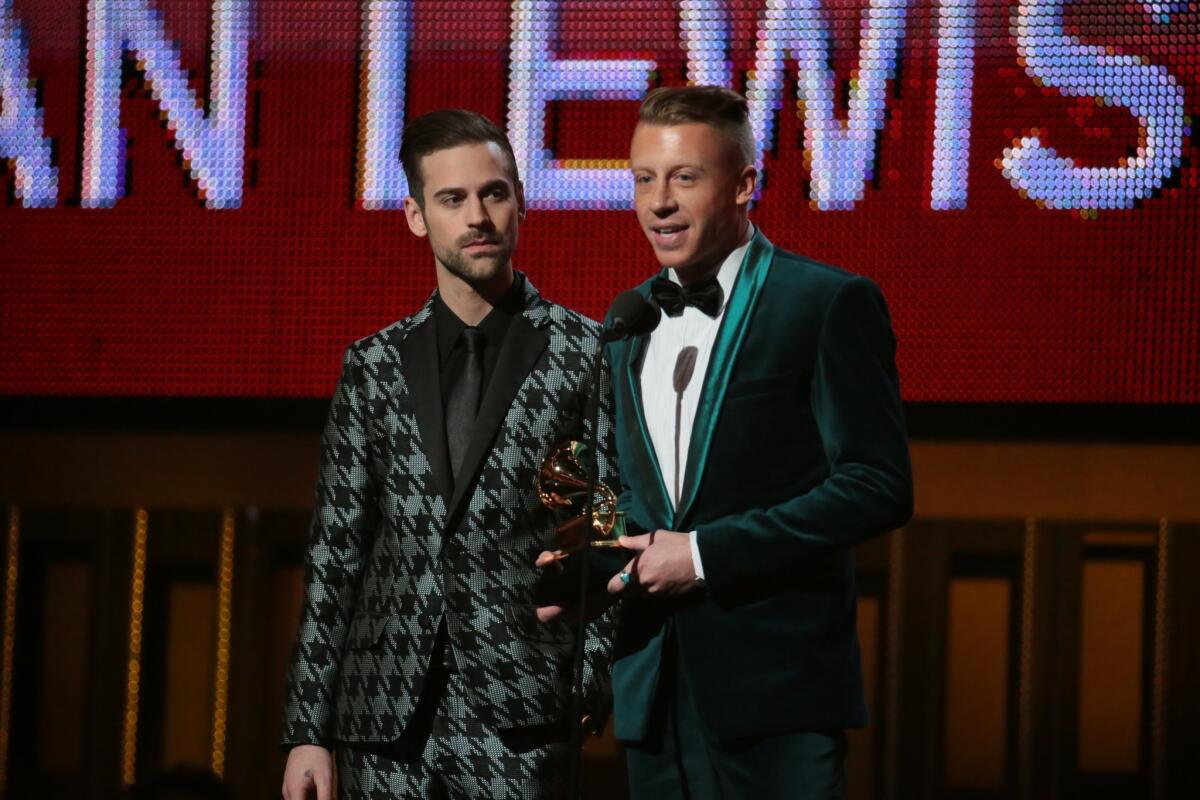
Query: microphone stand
(575, 718)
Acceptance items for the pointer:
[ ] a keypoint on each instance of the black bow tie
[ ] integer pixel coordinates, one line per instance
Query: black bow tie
(673, 298)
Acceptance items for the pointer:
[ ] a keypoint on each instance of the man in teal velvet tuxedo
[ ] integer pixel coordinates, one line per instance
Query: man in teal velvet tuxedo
(761, 437)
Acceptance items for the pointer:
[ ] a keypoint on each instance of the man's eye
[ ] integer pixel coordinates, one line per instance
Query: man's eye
(686, 177)
(451, 201)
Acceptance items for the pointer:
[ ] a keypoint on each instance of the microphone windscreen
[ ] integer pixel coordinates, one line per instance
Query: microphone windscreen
(685, 365)
(632, 315)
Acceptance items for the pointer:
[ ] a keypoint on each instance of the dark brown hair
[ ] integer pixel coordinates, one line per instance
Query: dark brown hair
(723, 109)
(441, 130)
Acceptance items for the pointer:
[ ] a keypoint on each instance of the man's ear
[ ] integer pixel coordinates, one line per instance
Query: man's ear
(415, 217)
(521, 201)
(746, 182)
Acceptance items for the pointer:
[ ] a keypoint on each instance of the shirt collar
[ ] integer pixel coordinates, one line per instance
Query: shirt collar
(494, 325)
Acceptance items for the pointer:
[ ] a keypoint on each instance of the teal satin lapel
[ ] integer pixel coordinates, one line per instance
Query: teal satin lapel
(658, 502)
(739, 310)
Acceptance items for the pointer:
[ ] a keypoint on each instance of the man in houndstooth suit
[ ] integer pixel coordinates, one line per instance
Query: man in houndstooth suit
(420, 663)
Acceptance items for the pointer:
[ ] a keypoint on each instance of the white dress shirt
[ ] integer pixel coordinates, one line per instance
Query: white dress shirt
(695, 328)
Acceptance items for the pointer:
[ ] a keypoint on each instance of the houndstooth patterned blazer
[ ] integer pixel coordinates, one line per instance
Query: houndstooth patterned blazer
(392, 552)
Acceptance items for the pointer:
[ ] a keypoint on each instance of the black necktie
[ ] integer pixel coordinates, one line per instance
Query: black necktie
(673, 298)
(463, 404)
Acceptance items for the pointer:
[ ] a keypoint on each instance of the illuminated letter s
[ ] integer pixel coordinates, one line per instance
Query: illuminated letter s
(1150, 92)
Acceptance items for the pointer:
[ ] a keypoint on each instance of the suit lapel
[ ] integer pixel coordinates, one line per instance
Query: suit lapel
(736, 321)
(523, 345)
(658, 501)
(419, 363)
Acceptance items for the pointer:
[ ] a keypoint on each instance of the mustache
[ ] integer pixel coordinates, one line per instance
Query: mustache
(471, 238)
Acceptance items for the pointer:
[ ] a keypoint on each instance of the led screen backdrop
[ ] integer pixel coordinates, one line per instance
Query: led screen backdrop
(202, 195)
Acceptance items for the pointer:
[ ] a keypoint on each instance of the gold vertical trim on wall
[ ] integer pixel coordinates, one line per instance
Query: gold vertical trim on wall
(895, 599)
(1025, 664)
(224, 608)
(133, 673)
(11, 563)
(1158, 697)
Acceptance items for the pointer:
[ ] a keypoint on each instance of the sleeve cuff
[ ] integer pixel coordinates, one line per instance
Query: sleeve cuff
(697, 565)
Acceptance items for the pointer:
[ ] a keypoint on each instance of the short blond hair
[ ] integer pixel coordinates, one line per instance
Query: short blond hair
(723, 109)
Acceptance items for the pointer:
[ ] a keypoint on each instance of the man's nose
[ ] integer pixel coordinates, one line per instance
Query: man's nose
(662, 202)
(477, 213)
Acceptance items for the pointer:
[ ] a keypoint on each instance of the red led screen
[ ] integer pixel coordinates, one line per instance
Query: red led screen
(201, 194)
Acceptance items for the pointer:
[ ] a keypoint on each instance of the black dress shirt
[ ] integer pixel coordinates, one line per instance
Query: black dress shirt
(451, 350)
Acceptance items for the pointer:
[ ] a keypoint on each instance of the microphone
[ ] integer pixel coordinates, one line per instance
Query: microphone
(630, 315)
(685, 365)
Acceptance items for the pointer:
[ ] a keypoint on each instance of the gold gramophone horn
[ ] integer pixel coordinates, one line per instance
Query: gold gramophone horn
(562, 486)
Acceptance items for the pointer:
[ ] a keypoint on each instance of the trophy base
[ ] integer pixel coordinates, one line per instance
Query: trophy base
(559, 581)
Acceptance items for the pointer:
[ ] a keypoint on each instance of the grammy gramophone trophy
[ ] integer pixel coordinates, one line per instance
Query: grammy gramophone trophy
(562, 485)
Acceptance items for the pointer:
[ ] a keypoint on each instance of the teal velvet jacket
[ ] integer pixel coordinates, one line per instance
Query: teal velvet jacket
(798, 453)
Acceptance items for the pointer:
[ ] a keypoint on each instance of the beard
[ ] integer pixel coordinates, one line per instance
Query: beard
(474, 270)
